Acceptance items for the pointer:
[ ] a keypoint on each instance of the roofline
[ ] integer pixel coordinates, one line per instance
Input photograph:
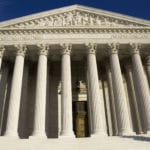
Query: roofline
(110, 13)
(36, 15)
(75, 6)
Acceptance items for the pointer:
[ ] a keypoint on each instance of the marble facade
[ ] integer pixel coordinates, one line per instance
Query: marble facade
(72, 67)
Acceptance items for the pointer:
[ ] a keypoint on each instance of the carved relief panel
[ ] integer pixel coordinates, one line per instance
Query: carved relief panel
(74, 18)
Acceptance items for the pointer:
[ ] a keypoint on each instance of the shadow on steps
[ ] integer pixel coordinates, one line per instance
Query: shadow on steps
(139, 138)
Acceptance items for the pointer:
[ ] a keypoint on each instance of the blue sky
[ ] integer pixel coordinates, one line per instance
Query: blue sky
(10, 9)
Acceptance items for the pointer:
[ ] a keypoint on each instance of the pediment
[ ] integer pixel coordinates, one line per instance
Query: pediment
(74, 16)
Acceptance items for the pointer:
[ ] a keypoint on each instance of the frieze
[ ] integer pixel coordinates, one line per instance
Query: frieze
(75, 18)
(54, 36)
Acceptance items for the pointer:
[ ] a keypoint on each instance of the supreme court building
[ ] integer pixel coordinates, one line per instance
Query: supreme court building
(74, 78)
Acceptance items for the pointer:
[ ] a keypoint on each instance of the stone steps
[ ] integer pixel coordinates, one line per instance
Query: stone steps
(107, 143)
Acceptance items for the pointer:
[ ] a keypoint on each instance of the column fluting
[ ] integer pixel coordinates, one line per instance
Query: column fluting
(15, 94)
(97, 103)
(143, 88)
(112, 99)
(40, 97)
(133, 97)
(123, 117)
(66, 92)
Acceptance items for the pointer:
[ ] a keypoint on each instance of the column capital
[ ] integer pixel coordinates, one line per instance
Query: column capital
(113, 48)
(135, 48)
(2, 49)
(66, 48)
(43, 49)
(21, 50)
(91, 47)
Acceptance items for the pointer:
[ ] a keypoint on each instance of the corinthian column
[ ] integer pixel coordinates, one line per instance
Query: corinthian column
(124, 123)
(97, 103)
(15, 94)
(133, 101)
(40, 97)
(66, 93)
(112, 99)
(143, 88)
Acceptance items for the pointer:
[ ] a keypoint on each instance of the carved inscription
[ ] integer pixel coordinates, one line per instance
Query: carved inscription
(47, 37)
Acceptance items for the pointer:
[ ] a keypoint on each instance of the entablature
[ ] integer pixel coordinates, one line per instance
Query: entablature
(34, 38)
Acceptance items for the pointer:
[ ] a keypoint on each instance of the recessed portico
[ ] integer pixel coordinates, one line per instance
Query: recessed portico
(81, 105)
(74, 72)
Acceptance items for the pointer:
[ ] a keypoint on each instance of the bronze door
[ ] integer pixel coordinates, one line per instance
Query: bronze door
(80, 118)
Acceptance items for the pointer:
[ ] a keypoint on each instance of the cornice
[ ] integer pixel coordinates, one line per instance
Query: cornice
(67, 30)
(37, 15)
(113, 14)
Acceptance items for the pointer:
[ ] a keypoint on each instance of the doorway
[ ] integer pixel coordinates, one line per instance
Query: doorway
(80, 119)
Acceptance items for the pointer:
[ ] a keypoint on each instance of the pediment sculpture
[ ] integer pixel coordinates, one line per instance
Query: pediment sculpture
(75, 18)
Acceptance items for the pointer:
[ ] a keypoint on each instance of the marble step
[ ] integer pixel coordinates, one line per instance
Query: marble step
(107, 143)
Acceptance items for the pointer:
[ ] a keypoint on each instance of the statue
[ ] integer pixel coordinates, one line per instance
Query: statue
(51, 21)
(92, 20)
(79, 18)
(98, 21)
(58, 20)
(70, 18)
(86, 19)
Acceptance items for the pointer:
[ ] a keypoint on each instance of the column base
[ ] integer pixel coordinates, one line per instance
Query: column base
(10, 135)
(126, 133)
(38, 135)
(148, 132)
(67, 135)
(98, 134)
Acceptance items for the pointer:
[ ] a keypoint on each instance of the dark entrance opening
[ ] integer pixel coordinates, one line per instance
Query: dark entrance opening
(80, 119)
